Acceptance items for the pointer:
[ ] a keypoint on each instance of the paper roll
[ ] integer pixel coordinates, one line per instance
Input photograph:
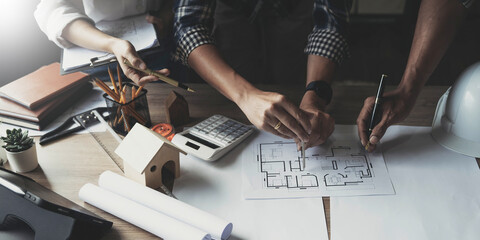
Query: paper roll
(139, 215)
(153, 199)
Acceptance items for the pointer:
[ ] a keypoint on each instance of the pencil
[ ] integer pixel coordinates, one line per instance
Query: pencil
(119, 76)
(125, 122)
(133, 92)
(112, 79)
(107, 90)
(123, 94)
(159, 76)
(115, 97)
(139, 90)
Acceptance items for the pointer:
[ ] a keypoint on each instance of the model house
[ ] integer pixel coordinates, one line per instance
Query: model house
(146, 154)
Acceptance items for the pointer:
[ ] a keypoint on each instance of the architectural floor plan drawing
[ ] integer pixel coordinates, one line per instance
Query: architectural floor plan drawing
(273, 169)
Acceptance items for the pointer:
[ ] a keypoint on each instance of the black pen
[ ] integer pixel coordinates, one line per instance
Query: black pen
(376, 115)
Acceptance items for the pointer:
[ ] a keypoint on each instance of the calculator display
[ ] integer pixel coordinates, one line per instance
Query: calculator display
(200, 140)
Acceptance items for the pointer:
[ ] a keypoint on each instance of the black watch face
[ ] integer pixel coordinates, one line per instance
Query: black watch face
(322, 89)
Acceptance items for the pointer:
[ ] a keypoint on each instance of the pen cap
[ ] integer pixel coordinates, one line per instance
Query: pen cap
(457, 117)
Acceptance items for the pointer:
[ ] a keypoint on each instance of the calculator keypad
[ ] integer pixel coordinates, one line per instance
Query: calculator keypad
(220, 128)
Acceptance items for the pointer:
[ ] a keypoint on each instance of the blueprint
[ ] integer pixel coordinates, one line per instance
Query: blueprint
(273, 168)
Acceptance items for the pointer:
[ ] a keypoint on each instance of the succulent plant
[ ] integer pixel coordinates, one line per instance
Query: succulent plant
(17, 140)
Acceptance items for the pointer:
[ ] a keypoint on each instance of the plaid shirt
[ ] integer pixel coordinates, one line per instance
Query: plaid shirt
(194, 19)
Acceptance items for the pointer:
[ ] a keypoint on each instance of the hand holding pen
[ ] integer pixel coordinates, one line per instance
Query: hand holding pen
(392, 107)
(158, 75)
(376, 112)
(370, 116)
(123, 49)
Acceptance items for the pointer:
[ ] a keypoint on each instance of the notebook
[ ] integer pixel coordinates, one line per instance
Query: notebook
(13, 113)
(37, 88)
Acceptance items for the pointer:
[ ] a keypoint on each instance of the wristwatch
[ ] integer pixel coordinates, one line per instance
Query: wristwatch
(322, 89)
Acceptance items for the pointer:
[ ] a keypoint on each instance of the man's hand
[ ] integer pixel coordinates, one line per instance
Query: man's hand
(322, 123)
(395, 107)
(267, 109)
(125, 50)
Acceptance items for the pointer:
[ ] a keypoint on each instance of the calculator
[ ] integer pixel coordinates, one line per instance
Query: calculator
(213, 137)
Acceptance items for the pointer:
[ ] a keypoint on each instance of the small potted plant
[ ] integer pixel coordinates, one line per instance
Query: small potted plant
(21, 151)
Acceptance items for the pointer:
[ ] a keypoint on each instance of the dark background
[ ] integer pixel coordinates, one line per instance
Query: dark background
(380, 43)
(380, 38)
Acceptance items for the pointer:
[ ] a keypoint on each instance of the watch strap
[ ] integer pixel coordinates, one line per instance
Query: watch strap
(322, 89)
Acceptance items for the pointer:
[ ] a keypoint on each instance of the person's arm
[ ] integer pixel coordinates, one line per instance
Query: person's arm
(84, 34)
(196, 48)
(327, 47)
(436, 26)
(66, 24)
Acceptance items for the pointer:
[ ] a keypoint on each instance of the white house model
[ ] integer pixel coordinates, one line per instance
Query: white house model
(145, 153)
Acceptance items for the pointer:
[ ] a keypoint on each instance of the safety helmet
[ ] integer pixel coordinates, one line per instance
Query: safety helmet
(456, 124)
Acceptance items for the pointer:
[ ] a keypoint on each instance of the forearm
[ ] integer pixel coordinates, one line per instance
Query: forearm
(436, 27)
(207, 62)
(320, 69)
(84, 34)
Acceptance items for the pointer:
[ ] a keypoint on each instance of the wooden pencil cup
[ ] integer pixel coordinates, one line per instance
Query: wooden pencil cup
(132, 108)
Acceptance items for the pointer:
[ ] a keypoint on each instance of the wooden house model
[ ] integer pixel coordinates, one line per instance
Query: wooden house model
(145, 154)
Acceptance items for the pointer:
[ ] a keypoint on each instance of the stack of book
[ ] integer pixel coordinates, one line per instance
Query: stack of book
(36, 99)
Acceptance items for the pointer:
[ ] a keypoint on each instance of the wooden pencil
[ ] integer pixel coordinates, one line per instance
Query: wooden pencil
(107, 90)
(119, 77)
(139, 90)
(133, 92)
(115, 97)
(112, 79)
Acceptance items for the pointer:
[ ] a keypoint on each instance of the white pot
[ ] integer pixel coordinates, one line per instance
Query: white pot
(24, 161)
(3, 154)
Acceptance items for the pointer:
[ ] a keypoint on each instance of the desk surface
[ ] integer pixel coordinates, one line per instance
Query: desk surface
(66, 165)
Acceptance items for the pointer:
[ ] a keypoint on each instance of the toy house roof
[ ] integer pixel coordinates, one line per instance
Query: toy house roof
(140, 146)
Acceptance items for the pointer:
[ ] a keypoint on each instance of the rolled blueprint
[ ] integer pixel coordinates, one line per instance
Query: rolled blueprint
(139, 215)
(153, 199)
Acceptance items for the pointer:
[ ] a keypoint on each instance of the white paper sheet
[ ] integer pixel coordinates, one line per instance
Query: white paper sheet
(159, 202)
(215, 187)
(134, 29)
(341, 167)
(139, 215)
(438, 194)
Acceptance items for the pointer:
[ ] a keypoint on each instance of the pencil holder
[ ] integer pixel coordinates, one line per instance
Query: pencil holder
(132, 108)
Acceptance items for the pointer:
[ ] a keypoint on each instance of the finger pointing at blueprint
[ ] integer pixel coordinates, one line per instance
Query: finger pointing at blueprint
(272, 169)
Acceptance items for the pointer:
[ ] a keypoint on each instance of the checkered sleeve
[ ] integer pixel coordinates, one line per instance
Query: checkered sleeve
(467, 3)
(192, 25)
(328, 36)
(329, 44)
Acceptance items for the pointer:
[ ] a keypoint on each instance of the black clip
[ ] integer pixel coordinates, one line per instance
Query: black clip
(84, 120)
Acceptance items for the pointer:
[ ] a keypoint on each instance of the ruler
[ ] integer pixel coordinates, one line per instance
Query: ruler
(108, 140)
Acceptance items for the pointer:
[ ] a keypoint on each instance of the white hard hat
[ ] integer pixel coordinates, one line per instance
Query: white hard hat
(456, 124)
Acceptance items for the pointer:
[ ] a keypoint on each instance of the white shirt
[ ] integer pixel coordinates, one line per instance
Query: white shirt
(54, 15)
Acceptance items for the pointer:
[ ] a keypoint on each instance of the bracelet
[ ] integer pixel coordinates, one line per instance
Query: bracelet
(322, 89)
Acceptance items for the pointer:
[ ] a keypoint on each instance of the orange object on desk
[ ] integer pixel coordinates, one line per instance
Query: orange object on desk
(165, 130)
